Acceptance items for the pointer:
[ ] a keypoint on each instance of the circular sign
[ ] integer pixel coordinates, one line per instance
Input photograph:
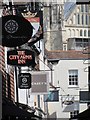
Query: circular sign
(16, 30)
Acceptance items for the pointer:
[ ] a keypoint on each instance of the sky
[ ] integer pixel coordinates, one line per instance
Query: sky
(68, 7)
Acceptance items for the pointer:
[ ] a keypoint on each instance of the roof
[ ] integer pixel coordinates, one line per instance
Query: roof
(69, 54)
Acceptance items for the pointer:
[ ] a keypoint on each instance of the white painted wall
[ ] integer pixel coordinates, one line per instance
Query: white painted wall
(60, 79)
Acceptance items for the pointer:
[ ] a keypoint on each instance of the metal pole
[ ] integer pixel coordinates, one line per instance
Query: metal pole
(89, 78)
(88, 85)
(17, 99)
(27, 96)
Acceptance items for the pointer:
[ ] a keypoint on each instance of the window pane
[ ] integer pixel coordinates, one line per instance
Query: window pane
(73, 114)
(73, 77)
(82, 19)
(89, 33)
(86, 8)
(82, 8)
(80, 32)
(84, 32)
(78, 19)
(89, 20)
(86, 20)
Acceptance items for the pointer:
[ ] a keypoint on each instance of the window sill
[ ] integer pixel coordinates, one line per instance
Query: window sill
(73, 86)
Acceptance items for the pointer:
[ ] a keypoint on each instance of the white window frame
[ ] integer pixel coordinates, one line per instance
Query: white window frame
(73, 114)
(73, 78)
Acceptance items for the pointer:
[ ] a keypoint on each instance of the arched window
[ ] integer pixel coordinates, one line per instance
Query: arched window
(88, 33)
(82, 19)
(82, 8)
(86, 8)
(86, 19)
(78, 19)
(84, 32)
(80, 32)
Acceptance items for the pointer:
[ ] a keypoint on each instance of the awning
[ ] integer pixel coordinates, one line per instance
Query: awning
(11, 110)
(85, 115)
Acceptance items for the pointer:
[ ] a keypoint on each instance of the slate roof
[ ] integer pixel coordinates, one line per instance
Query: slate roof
(69, 54)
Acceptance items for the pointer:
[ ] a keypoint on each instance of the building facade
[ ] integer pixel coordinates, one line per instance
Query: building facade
(77, 27)
(71, 23)
(69, 76)
(67, 63)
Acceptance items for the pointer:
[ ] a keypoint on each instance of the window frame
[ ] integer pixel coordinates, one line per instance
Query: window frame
(73, 78)
(82, 8)
(73, 114)
(78, 19)
(86, 19)
(85, 33)
(81, 33)
(82, 19)
(88, 33)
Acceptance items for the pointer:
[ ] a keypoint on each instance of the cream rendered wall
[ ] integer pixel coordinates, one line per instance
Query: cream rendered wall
(61, 75)
(71, 28)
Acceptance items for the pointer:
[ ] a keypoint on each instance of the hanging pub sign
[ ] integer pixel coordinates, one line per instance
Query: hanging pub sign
(22, 57)
(36, 19)
(24, 80)
(16, 30)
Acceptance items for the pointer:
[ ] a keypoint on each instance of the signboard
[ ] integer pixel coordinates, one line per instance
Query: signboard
(24, 80)
(84, 96)
(69, 104)
(40, 83)
(71, 108)
(22, 57)
(52, 96)
(36, 20)
(16, 30)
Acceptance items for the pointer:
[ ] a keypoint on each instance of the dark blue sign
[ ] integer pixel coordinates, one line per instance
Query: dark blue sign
(53, 96)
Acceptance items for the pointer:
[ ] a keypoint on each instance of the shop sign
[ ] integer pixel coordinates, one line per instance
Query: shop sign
(16, 30)
(24, 80)
(40, 83)
(22, 57)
